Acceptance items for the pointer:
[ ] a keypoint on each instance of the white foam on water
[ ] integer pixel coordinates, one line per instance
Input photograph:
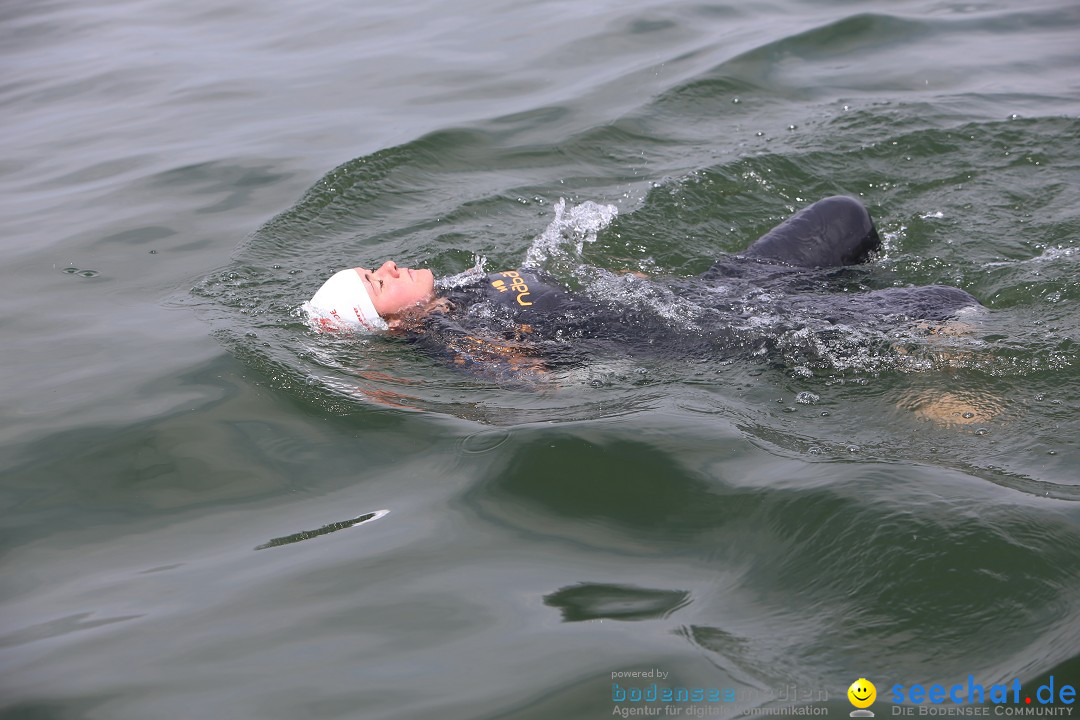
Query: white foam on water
(1048, 254)
(631, 291)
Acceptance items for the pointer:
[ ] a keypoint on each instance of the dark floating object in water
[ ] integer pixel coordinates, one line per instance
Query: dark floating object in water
(324, 530)
(594, 601)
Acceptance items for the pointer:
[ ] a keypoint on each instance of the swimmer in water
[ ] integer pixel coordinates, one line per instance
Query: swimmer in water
(502, 323)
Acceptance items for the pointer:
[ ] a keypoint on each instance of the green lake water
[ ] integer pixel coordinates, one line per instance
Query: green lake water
(210, 511)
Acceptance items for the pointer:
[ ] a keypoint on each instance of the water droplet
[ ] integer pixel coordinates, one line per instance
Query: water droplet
(89, 273)
(760, 133)
(968, 415)
(1051, 452)
(824, 413)
(806, 398)
(71, 270)
(982, 431)
(853, 448)
(153, 252)
(792, 127)
(814, 450)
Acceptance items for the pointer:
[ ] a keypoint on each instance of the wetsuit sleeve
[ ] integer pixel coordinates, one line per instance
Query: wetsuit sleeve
(928, 302)
(832, 232)
(934, 303)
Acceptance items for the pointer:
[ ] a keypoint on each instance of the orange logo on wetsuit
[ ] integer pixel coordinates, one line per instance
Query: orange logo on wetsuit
(517, 284)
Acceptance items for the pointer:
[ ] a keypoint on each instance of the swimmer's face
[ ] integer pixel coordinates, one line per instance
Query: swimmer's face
(393, 289)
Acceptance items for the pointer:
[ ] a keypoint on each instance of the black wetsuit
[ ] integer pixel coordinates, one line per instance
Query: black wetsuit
(832, 233)
(515, 311)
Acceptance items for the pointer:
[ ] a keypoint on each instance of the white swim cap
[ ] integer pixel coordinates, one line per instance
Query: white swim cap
(343, 303)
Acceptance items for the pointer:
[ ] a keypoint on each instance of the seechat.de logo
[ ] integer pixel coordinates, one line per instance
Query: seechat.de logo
(862, 694)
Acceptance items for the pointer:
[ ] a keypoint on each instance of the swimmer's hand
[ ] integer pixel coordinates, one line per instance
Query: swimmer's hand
(952, 407)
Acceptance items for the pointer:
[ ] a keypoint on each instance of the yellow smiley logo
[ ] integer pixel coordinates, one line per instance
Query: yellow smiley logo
(862, 693)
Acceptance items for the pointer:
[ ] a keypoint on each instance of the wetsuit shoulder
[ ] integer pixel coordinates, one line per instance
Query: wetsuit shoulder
(500, 346)
(524, 291)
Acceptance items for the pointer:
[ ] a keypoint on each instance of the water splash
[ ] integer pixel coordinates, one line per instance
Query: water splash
(632, 291)
(569, 229)
(465, 277)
